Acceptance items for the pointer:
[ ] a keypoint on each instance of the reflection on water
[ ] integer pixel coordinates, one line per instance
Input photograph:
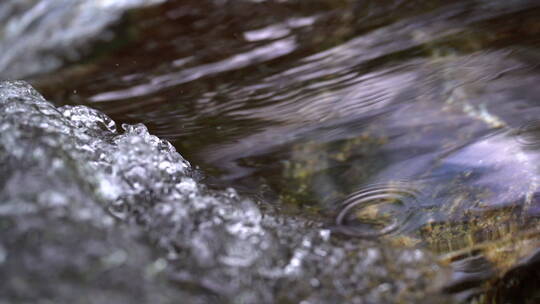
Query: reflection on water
(257, 55)
(309, 102)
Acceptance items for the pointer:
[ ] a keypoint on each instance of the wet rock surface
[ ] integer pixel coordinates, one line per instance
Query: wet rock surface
(383, 151)
(90, 214)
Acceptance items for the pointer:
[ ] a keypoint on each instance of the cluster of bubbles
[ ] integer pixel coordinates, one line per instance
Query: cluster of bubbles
(87, 209)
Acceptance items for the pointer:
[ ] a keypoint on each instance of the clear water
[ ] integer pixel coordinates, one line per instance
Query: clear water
(401, 126)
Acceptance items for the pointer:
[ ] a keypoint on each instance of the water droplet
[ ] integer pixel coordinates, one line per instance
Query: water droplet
(155, 268)
(325, 234)
(376, 210)
(115, 259)
(119, 210)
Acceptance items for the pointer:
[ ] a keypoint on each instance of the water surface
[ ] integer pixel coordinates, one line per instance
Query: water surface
(405, 121)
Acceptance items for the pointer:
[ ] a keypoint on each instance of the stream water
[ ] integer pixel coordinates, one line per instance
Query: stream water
(302, 151)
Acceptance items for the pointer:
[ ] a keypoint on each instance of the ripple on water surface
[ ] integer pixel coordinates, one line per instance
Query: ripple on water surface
(377, 210)
(402, 93)
(529, 134)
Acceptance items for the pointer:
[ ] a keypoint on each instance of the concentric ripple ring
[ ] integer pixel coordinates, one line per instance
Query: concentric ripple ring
(399, 196)
(529, 134)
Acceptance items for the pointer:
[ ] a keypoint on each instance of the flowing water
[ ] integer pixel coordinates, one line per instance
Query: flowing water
(379, 151)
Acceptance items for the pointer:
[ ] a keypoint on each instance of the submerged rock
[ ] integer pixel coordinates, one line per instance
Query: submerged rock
(90, 214)
(453, 168)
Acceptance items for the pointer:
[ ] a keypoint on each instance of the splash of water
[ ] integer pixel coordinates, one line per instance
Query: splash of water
(39, 36)
(102, 206)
